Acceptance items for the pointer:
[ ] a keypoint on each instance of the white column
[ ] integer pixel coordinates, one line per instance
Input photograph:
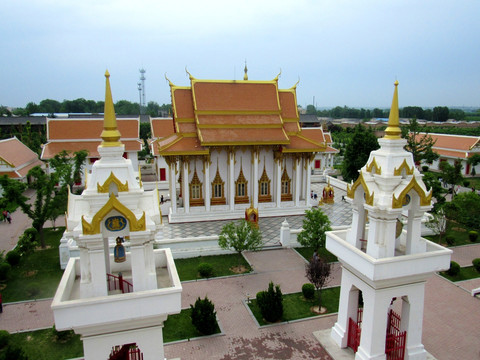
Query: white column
(412, 322)
(381, 235)
(173, 186)
(347, 308)
(98, 272)
(414, 243)
(357, 229)
(278, 187)
(186, 188)
(297, 167)
(207, 185)
(374, 325)
(143, 264)
(255, 178)
(308, 166)
(231, 180)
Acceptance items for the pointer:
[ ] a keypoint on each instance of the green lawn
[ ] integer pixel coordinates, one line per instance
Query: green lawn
(307, 253)
(180, 327)
(188, 268)
(459, 233)
(466, 273)
(295, 306)
(43, 345)
(38, 274)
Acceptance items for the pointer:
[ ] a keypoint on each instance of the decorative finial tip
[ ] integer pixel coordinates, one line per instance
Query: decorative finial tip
(396, 83)
(107, 74)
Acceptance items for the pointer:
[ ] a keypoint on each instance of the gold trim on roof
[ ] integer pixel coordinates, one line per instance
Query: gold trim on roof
(112, 178)
(403, 165)
(374, 165)
(425, 199)
(113, 204)
(356, 184)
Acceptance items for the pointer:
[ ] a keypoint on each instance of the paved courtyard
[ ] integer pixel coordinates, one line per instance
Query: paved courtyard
(451, 317)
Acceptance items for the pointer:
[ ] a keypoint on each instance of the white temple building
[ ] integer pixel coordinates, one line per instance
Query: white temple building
(116, 295)
(385, 260)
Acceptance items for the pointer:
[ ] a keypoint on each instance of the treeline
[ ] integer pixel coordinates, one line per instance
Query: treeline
(438, 113)
(49, 106)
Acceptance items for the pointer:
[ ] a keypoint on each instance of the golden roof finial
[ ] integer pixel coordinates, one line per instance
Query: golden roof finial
(245, 77)
(110, 134)
(393, 130)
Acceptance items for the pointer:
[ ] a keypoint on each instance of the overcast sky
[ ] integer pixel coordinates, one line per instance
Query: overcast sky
(343, 52)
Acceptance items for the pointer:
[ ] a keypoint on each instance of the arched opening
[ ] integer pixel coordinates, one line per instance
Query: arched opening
(126, 352)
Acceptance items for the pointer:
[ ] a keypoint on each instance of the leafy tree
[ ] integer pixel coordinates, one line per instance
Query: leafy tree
(438, 223)
(243, 236)
(68, 168)
(31, 138)
(49, 106)
(474, 161)
(451, 175)
(4, 111)
(311, 109)
(465, 209)
(419, 145)
(39, 211)
(438, 192)
(315, 224)
(440, 113)
(318, 272)
(357, 152)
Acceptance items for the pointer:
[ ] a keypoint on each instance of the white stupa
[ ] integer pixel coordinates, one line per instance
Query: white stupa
(384, 258)
(117, 302)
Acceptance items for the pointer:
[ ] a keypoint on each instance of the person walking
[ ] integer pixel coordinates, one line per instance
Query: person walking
(9, 217)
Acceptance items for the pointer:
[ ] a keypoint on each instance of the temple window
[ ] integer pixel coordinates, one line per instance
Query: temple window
(286, 182)
(241, 192)
(218, 194)
(264, 186)
(196, 198)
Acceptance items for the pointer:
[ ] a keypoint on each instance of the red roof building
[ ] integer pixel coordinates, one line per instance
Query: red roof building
(16, 159)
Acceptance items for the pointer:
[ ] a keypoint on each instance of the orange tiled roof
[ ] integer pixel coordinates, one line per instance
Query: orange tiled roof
(328, 138)
(233, 113)
(458, 146)
(162, 127)
(53, 148)
(15, 153)
(316, 134)
(89, 129)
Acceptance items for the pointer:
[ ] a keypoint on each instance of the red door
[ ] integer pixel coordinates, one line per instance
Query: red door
(163, 174)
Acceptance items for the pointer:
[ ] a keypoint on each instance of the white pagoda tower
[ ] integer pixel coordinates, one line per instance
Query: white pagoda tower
(383, 255)
(117, 300)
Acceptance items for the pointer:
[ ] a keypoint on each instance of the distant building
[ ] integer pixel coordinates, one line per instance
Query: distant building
(16, 159)
(75, 134)
(455, 148)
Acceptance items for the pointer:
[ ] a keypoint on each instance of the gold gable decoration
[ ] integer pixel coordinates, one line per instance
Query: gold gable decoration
(403, 165)
(113, 204)
(374, 165)
(106, 185)
(425, 199)
(356, 184)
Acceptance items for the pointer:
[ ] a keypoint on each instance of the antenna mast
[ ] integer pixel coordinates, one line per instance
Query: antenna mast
(143, 104)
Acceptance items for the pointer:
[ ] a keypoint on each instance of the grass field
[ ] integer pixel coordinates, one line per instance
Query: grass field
(180, 327)
(307, 253)
(222, 265)
(38, 274)
(466, 273)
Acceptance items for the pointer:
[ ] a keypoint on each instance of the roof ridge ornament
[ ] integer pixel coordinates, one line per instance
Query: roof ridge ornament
(110, 134)
(169, 82)
(245, 76)
(280, 73)
(393, 131)
(189, 75)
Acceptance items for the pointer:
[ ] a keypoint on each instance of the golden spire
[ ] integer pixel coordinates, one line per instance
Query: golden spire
(393, 130)
(110, 134)
(245, 77)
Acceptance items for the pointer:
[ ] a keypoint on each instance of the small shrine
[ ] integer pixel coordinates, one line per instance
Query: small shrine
(251, 215)
(384, 263)
(119, 291)
(328, 194)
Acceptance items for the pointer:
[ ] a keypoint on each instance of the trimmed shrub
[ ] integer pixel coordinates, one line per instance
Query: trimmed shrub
(4, 337)
(203, 316)
(270, 303)
(13, 257)
(4, 270)
(472, 235)
(27, 242)
(424, 168)
(466, 183)
(308, 291)
(205, 270)
(476, 264)
(454, 268)
(450, 240)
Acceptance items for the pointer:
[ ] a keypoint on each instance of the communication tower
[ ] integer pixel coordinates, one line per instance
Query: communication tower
(143, 104)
